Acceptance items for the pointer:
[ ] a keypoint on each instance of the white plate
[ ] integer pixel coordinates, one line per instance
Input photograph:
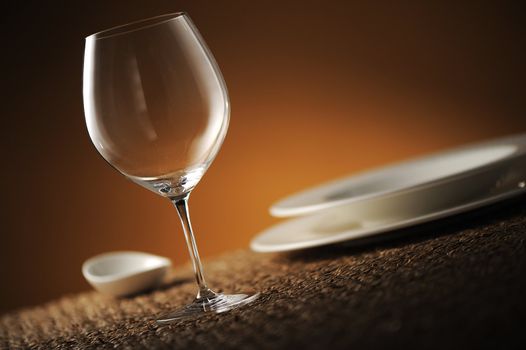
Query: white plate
(381, 214)
(476, 166)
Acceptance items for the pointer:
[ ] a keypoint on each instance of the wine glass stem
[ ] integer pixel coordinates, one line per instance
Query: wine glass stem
(181, 204)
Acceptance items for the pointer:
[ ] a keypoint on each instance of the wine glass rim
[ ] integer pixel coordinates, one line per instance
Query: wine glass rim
(135, 25)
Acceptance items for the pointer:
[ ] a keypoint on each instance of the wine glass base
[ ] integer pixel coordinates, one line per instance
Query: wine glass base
(216, 304)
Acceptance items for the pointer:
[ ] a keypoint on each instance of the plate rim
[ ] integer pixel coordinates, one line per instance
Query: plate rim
(344, 235)
(518, 140)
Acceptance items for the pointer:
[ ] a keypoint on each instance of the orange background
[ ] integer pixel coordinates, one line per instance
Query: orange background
(319, 89)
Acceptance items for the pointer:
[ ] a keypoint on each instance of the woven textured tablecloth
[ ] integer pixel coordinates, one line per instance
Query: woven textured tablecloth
(458, 283)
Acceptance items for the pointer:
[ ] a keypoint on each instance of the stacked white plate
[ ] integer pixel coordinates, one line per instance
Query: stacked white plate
(399, 195)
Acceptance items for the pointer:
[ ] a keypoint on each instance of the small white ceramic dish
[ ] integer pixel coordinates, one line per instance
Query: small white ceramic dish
(362, 219)
(473, 168)
(125, 273)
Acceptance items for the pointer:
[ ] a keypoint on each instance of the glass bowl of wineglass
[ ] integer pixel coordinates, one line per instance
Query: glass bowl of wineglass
(157, 110)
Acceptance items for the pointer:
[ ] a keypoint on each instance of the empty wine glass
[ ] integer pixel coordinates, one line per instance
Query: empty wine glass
(157, 110)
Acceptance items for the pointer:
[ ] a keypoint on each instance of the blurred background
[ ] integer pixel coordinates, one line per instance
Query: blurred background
(319, 89)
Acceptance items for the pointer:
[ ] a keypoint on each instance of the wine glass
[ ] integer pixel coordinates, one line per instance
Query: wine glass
(157, 110)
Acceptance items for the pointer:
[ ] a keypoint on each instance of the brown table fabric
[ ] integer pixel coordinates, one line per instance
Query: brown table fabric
(455, 283)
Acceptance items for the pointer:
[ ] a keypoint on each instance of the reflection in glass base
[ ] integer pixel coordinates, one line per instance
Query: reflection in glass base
(216, 304)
